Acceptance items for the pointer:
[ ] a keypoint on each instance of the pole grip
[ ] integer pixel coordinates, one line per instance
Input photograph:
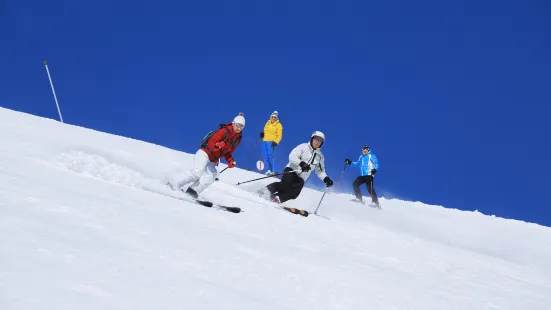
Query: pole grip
(342, 174)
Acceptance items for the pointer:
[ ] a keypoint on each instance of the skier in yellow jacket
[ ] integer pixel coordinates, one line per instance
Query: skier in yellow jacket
(271, 136)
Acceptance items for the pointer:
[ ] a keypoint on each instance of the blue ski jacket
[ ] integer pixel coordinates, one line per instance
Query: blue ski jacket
(366, 163)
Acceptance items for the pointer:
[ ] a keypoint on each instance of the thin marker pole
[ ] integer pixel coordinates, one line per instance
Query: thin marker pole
(53, 91)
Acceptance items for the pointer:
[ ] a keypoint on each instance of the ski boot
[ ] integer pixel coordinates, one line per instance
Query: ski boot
(190, 191)
(273, 198)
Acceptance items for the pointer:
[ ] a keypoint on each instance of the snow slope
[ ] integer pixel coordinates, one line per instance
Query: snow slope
(83, 226)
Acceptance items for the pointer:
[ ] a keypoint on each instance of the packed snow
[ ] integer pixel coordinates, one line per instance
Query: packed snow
(86, 222)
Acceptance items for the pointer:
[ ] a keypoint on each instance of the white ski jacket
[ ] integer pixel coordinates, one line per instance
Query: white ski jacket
(306, 153)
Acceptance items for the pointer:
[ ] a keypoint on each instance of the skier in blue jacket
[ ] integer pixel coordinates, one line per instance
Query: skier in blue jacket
(368, 165)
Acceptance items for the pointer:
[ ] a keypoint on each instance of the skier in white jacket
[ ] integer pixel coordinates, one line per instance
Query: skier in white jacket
(303, 158)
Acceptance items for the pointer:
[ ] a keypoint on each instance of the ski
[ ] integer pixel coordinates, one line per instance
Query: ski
(202, 202)
(325, 217)
(276, 204)
(296, 211)
(372, 205)
(209, 204)
(375, 206)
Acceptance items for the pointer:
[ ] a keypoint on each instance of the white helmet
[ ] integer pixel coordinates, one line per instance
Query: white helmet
(318, 134)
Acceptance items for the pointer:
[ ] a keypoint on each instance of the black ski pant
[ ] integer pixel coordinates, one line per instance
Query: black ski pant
(368, 180)
(289, 187)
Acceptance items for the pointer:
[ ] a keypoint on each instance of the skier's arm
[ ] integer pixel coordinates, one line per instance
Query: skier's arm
(229, 158)
(229, 155)
(320, 168)
(266, 128)
(279, 133)
(294, 156)
(356, 163)
(216, 137)
(375, 161)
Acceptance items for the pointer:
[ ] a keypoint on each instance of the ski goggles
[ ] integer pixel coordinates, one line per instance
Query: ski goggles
(320, 140)
(365, 147)
(239, 125)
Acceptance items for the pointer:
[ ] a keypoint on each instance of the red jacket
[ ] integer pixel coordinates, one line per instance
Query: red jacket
(231, 141)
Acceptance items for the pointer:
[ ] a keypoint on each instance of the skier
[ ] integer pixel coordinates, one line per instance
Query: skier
(272, 134)
(368, 165)
(302, 159)
(218, 143)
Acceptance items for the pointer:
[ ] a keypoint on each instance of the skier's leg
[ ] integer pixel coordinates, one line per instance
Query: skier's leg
(273, 187)
(200, 163)
(356, 185)
(294, 190)
(296, 187)
(284, 184)
(269, 157)
(370, 187)
(265, 149)
(272, 159)
(206, 179)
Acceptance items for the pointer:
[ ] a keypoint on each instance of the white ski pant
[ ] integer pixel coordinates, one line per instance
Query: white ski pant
(202, 174)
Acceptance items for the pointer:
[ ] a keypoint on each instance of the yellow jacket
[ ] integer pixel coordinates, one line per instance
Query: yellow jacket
(273, 131)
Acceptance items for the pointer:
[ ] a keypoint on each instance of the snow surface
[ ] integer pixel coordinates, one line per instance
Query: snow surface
(83, 226)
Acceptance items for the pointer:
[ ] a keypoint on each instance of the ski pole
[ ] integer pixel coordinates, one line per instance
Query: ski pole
(371, 193)
(254, 147)
(219, 173)
(342, 174)
(316, 212)
(275, 175)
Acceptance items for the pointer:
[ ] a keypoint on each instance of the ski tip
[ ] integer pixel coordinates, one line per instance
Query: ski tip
(375, 206)
(210, 204)
(232, 209)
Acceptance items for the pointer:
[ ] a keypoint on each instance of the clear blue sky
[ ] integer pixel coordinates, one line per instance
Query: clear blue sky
(452, 96)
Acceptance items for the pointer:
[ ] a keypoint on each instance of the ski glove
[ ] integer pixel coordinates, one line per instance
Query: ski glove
(231, 163)
(262, 134)
(219, 145)
(274, 144)
(373, 171)
(328, 181)
(347, 161)
(304, 166)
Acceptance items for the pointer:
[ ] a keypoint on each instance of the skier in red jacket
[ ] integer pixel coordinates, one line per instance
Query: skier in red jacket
(217, 144)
